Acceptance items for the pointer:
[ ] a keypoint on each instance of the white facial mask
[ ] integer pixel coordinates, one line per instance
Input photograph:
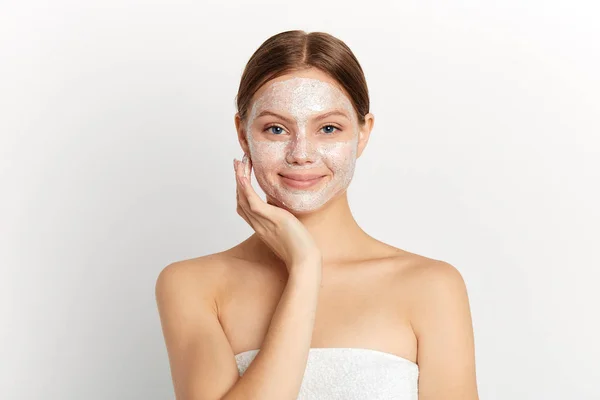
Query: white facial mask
(298, 149)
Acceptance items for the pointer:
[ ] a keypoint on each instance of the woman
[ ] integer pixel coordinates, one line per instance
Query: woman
(310, 306)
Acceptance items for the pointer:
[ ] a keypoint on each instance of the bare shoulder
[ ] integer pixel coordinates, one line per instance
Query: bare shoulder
(195, 339)
(425, 273)
(425, 282)
(440, 316)
(194, 279)
(437, 293)
(429, 273)
(428, 288)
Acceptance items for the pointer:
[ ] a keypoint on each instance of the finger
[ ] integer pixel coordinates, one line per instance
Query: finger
(258, 221)
(240, 211)
(255, 203)
(242, 200)
(239, 207)
(239, 178)
(247, 166)
(245, 185)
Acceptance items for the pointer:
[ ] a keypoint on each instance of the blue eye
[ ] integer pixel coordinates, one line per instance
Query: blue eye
(276, 127)
(279, 130)
(330, 126)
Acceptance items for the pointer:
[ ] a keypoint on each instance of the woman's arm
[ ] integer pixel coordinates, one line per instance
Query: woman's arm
(202, 361)
(441, 319)
(277, 371)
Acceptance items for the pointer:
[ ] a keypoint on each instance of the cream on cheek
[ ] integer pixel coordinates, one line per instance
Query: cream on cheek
(300, 98)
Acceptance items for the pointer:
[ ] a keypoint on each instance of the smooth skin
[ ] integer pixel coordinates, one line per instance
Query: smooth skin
(355, 291)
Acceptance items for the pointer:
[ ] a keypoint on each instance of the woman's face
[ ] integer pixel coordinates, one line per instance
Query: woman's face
(290, 131)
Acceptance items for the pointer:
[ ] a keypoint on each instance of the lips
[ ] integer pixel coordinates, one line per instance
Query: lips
(301, 181)
(302, 177)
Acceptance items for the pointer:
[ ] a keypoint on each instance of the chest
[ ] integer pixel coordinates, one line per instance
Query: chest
(359, 306)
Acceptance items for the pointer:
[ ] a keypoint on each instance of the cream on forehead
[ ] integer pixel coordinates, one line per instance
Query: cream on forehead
(301, 97)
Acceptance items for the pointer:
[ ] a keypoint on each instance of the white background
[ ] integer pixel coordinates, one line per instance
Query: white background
(116, 147)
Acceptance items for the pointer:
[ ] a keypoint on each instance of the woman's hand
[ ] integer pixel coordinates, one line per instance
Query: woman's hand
(279, 229)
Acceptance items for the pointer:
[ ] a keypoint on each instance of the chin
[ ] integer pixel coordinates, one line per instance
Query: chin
(293, 208)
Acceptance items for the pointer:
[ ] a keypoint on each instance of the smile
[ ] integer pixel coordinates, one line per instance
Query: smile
(300, 182)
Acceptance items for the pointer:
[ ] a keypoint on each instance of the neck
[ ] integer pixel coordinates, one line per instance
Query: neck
(333, 228)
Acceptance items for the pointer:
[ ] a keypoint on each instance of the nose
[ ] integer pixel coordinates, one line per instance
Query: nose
(301, 150)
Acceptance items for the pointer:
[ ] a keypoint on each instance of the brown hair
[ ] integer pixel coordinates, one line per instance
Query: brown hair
(296, 50)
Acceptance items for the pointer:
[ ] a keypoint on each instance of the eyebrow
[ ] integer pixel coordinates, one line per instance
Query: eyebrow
(320, 117)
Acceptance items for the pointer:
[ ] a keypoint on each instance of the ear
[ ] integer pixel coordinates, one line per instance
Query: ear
(240, 127)
(364, 133)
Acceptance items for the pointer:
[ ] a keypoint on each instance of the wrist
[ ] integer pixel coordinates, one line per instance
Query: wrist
(307, 270)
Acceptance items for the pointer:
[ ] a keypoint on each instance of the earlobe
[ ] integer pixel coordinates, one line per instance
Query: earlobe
(363, 138)
(241, 134)
(244, 144)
